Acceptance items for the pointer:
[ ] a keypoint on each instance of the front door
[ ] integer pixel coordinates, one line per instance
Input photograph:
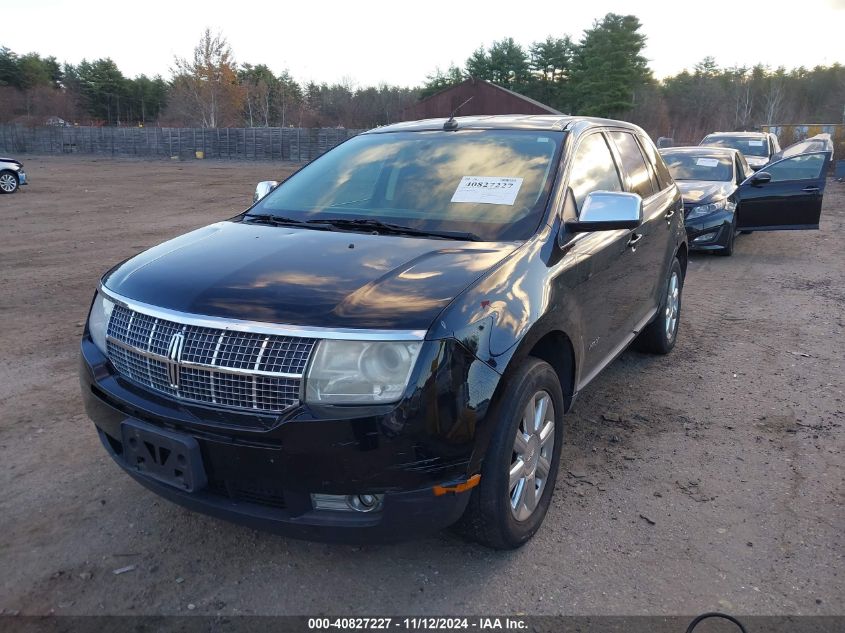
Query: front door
(790, 198)
(606, 259)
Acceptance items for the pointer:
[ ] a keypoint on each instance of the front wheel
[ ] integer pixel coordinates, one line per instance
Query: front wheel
(728, 249)
(8, 182)
(520, 468)
(660, 335)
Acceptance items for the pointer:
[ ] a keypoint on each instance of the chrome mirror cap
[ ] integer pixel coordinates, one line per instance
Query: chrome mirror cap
(263, 188)
(608, 210)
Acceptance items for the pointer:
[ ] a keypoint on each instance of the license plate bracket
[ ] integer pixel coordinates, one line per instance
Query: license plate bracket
(170, 457)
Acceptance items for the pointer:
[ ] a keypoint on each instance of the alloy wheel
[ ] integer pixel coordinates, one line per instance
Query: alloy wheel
(533, 448)
(673, 305)
(8, 183)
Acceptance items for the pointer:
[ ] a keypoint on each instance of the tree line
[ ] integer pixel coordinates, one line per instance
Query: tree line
(207, 89)
(605, 74)
(602, 73)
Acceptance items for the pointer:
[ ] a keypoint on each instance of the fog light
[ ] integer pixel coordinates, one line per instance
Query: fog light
(706, 237)
(347, 503)
(365, 503)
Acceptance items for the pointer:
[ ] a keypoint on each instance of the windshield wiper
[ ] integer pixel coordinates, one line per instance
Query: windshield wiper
(396, 229)
(278, 220)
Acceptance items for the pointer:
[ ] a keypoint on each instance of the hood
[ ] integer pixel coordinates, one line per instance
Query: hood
(704, 191)
(10, 160)
(305, 277)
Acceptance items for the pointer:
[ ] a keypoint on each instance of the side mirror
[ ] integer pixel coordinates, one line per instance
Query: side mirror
(607, 210)
(761, 178)
(263, 188)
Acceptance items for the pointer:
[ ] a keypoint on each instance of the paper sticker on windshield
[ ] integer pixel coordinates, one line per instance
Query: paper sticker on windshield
(487, 190)
(755, 143)
(707, 162)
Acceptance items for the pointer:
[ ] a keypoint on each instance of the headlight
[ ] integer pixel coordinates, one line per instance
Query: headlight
(98, 320)
(360, 372)
(706, 209)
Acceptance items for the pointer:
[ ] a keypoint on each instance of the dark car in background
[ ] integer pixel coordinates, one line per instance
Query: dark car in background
(722, 195)
(386, 343)
(709, 179)
(12, 175)
(757, 147)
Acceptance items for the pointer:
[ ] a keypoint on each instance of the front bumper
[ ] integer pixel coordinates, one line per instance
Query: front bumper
(711, 232)
(22, 178)
(262, 471)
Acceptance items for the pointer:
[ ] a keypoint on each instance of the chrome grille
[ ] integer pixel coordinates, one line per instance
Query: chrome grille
(242, 370)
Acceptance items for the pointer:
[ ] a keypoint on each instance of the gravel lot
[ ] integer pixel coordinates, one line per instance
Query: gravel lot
(710, 479)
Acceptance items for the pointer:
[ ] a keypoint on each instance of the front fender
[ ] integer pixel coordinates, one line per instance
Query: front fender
(527, 296)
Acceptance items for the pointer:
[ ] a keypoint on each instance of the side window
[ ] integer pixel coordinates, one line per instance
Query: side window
(801, 167)
(664, 178)
(593, 169)
(746, 171)
(655, 186)
(633, 163)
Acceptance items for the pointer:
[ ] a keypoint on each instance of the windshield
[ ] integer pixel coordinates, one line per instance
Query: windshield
(492, 183)
(748, 146)
(697, 167)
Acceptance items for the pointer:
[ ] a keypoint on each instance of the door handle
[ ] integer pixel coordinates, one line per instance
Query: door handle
(635, 238)
(810, 189)
(670, 213)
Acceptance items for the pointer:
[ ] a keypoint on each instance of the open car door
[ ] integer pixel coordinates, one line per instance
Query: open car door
(785, 194)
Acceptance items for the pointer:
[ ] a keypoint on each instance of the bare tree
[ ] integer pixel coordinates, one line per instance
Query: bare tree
(743, 96)
(774, 96)
(207, 84)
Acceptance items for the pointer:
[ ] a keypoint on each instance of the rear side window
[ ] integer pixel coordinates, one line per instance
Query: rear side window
(664, 178)
(634, 164)
(593, 169)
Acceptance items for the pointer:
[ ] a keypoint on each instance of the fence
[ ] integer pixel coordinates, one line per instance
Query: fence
(289, 144)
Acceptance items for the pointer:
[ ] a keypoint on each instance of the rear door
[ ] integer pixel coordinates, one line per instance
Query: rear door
(646, 273)
(791, 199)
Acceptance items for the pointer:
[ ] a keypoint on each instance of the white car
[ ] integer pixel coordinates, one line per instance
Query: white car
(758, 148)
(12, 175)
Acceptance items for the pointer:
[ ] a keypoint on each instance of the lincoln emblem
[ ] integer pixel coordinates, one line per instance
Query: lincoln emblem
(174, 355)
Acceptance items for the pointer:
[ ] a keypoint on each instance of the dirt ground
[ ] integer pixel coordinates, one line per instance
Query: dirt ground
(708, 479)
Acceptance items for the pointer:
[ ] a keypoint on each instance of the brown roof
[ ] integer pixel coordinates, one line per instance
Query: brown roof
(487, 98)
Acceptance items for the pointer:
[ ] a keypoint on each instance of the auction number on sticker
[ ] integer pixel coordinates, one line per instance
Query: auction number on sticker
(487, 190)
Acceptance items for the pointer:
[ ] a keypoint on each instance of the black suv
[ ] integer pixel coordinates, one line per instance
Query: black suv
(386, 343)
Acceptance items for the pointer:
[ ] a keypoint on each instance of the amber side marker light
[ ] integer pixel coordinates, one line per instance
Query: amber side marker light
(469, 484)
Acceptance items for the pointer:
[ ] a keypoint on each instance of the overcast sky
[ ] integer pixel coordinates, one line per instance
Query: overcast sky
(370, 42)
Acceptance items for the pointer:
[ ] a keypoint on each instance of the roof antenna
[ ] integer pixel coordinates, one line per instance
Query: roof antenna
(451, 124)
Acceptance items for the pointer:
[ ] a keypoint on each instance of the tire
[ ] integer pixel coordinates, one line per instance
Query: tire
(728, 250)
(8, 181)
(660, 335)
(491, 518)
